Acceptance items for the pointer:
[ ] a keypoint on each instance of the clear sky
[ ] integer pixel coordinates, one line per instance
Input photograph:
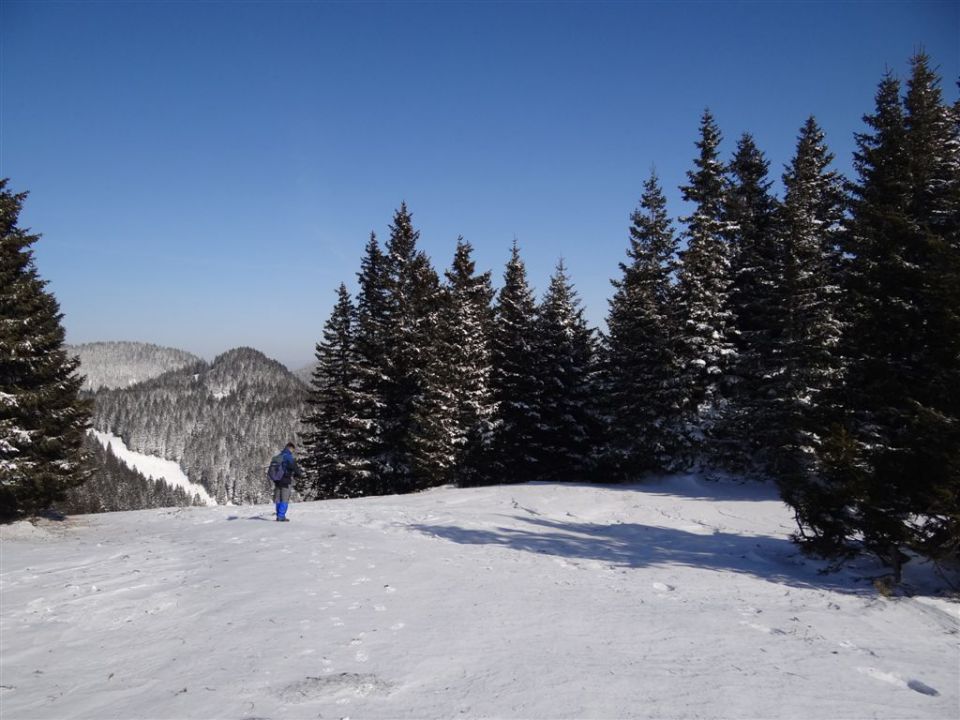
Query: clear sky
(204, 174)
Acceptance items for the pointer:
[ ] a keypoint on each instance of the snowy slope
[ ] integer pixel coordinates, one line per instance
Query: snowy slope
(679, 599)
(152, 466)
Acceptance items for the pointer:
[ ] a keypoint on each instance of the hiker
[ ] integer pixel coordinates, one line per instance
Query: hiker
(283, 468)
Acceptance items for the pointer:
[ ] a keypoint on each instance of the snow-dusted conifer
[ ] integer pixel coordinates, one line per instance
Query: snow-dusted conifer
(705, 335)
(641, 412)
(42, 418)
(469, 323)
(372, 360)
(333, 428)
(750, 210)
(568, 425)
(433, 422)
(892, 462)
(409, 390)
(805, 346)
(516, 381)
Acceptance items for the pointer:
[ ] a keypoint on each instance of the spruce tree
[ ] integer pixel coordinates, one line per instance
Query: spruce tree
(705, 347)
(469, 325)
(808, 323)
(891, 459)
(756, 272)
(42, 417)
(641, 407)
(432, 431)
(567, 428)
(411, 387)
(373, 307)
(932, 439)
(516, 380)
(333, 427)
(833, 514)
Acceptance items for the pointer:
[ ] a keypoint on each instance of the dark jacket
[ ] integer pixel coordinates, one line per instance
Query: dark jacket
(290, 468)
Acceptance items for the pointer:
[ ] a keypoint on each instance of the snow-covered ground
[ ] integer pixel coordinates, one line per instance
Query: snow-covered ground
(152, 466)
(678, 599)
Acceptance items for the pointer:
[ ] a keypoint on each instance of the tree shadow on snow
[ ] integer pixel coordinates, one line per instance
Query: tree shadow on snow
(630, 545)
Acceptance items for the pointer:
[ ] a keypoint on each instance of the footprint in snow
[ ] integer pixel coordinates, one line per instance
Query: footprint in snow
(763, 628)
(913, 684)
(342, 686)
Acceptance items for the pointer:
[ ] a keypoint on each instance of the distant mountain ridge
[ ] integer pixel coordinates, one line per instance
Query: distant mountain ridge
(221, 421)
(122, 364)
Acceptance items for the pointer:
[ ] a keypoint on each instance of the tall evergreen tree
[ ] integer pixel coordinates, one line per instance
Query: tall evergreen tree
(42, 418)
(371, 339)
(333, 426)
(568, 424)
(516, 383)
(638, 377)
(808, 332)
(891, 463)
(433, 420)
(469, 325)
(410, 385)
(756, 272)
(705, 337)
(932, 440)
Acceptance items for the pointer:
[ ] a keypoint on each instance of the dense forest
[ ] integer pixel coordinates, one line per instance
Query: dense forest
(122, 364)
(113, 486)
(812, 339)
(221, 421)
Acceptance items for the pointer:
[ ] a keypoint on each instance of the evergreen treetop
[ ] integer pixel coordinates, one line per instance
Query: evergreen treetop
(42, 418)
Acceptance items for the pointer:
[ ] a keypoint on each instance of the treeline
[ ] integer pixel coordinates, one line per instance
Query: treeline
(113, 486)
(812, 338)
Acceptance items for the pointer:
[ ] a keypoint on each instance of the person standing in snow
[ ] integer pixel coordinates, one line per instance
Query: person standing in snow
(281, 487)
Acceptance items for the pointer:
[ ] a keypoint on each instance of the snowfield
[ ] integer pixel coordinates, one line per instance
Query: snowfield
(677, 599)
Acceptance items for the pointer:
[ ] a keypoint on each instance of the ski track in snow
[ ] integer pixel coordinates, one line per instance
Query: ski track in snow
(531, 601)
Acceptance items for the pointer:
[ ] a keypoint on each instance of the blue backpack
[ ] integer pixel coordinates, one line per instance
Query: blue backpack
(276, 471)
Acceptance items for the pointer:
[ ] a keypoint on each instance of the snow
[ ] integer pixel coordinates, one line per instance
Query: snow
(153, 467)
(681, 598)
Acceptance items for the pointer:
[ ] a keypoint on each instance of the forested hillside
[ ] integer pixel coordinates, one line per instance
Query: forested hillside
(121, 364)
(113, 486)
(222, 421)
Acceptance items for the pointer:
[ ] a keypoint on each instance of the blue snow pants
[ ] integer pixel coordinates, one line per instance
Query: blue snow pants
(281, 497)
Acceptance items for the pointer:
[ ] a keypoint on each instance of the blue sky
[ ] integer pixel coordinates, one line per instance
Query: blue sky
(204, 174)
